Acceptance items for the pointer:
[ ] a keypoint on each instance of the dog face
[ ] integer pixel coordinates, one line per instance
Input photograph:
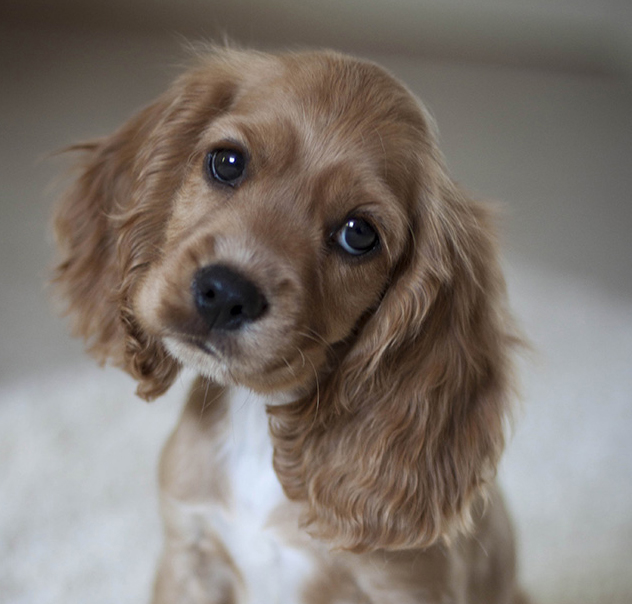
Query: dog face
(285, 229)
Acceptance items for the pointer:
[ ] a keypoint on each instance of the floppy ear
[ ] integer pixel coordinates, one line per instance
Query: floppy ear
(110, 224)
(409, 427)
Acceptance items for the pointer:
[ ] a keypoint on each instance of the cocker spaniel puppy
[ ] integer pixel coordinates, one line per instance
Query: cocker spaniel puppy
(284, 225)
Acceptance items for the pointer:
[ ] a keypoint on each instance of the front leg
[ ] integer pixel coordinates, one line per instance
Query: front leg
(195, 567)
(196, 573)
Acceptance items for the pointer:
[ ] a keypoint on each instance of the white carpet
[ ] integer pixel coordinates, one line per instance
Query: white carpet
(78, 454)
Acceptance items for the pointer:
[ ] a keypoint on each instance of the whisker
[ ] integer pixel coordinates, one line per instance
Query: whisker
(302, 355)
(289, 366)
(316, 337)
(206, 404)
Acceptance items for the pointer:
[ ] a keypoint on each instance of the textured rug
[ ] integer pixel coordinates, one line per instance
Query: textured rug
(78, 453)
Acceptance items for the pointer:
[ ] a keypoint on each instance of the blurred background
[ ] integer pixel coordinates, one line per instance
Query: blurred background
(533, 101)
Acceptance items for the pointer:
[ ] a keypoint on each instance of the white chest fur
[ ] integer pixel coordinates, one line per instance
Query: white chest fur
(272, 571)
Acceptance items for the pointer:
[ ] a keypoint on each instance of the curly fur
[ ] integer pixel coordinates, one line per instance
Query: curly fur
(393, 374)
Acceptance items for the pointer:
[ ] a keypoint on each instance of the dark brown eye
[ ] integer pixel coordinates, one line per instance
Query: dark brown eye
(357, 237)
(226, 165)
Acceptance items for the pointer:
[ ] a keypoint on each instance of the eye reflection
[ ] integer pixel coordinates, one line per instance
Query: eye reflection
(357, 237)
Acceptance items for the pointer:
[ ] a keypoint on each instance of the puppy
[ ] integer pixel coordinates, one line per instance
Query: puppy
(284, 225)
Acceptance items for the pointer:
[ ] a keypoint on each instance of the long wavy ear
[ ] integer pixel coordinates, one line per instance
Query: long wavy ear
(110, 224)
(409, 427)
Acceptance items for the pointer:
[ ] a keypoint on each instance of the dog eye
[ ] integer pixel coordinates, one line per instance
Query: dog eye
(357, 237)
(226, 165)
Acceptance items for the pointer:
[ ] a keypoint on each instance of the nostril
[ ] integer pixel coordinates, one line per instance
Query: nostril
(225, 299)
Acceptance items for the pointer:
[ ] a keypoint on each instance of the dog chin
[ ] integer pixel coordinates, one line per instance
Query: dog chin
(204, 360)
(286, 382)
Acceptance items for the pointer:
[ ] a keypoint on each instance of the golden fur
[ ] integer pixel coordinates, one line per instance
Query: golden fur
(393, 368)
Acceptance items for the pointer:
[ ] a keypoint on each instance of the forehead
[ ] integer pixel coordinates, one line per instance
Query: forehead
(323, 110)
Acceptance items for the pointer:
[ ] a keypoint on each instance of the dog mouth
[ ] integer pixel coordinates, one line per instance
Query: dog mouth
(202, 345)
(219, 348)
(201, 355)
(222, 359)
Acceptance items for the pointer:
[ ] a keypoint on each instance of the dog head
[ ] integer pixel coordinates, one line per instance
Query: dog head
(285, 222)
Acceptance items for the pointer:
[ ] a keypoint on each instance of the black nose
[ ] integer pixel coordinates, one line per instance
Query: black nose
(225, 299)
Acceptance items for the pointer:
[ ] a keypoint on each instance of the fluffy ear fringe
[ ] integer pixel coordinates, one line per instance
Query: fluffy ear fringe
(408, 428)
(98, 269)
(110, 223)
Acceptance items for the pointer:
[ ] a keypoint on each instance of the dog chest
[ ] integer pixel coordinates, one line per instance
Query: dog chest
(272, 571)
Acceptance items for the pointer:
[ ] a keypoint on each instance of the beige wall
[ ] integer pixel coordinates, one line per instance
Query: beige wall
(578, 35)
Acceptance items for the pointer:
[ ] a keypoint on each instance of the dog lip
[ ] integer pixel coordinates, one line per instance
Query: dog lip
(198, 343)
(204, 347)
